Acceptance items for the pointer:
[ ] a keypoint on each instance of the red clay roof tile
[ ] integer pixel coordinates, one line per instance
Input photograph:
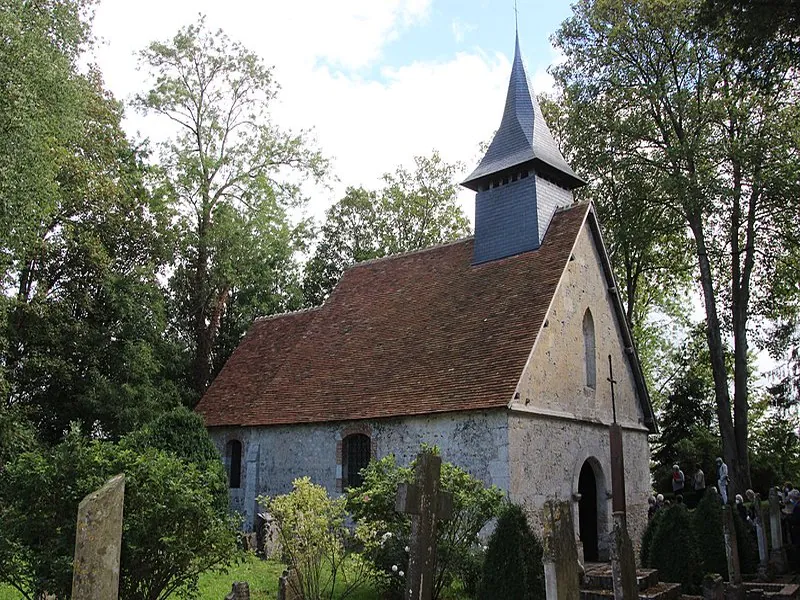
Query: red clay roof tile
(417, 333)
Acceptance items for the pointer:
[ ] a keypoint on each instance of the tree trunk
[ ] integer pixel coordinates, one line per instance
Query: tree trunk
(201, 363)
(715, 346)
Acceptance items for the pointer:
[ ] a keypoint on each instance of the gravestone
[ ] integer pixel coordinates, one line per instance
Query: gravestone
(240, 590)
(761, 538)
(777, 553)
(735, 588)
(560, 557)
(98, 543)
(427, 505)
(623, 560)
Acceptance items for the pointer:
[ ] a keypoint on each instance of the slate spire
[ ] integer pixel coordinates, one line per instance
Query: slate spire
(523, 142)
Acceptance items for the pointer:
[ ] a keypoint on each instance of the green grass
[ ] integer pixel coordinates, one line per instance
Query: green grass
(260, 574)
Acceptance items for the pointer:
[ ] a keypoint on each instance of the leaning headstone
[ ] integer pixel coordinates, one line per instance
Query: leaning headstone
(240, 590)
(731, 546)
(560, 557)
(98, 543)
(623, 561)
(778, 553)
(427, 505)
(761, 538)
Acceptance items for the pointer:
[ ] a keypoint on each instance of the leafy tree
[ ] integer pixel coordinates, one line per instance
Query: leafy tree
(313, 537)
(513, 567)
(688, 433)
(82, 240)
(175, 526)
(386, 532)
(414, 210)
(721, 145)
(233, 175)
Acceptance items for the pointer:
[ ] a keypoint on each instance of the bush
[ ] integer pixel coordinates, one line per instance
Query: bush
(513, 567)
(708, 533)
(647, 538)
(385, 533)
(173, 527)
(672, 549)
(313, 535)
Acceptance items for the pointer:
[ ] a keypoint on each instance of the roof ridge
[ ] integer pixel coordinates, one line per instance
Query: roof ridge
(288, 313)
(370, 261)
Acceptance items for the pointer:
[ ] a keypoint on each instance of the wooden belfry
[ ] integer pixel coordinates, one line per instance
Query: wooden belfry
(427, 505)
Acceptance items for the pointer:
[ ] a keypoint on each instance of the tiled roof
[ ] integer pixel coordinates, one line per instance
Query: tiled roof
(523, 137)
(412, 334)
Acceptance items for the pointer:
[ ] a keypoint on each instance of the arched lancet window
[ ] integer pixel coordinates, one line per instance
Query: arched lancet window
(233, 461)
(589, 350)
(356, 453)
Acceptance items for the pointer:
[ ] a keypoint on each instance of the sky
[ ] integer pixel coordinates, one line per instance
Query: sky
(376, 81)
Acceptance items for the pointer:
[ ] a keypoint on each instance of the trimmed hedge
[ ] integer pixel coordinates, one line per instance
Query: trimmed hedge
(513, 567)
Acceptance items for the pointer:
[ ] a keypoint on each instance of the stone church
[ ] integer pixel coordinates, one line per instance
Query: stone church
(495, 348)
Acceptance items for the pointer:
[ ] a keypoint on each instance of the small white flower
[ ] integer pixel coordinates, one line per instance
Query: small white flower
(394, 568)
(408, 549)
(401, 574)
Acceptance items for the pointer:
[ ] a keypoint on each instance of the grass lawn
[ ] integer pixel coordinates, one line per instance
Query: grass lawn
(261, 575)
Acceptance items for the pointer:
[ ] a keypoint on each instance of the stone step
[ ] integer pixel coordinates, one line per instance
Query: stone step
(598, 577)
(660, 591)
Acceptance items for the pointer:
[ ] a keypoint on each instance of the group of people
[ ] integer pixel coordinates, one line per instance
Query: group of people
(699, 481)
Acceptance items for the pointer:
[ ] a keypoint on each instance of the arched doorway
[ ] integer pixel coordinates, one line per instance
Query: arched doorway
(587, 513)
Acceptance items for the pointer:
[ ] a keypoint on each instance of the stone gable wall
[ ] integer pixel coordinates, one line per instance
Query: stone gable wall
(558, 422)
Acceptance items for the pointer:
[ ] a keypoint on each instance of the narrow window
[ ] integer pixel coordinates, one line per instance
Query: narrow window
(589, 350)
(233, 458)
(355, 456)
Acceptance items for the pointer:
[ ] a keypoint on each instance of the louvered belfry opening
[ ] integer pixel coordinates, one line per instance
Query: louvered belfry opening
(356, 450)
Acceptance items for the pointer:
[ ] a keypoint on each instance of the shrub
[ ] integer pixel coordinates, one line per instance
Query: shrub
(173, 527)
(385, 533)
(312, 532)
(647, 538)
(513, 567)
(708, 533)
(672, 549)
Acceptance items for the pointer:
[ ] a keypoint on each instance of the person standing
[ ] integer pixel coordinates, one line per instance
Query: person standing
(678, 480)
(699, 484)
(722, 479)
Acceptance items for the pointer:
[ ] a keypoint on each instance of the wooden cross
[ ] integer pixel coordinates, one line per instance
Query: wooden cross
(427, 505)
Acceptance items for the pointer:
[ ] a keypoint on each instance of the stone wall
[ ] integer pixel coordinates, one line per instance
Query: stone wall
(559, 421)
(274, 456)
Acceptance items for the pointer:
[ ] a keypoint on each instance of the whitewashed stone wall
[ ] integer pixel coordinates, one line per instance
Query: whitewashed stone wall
(274, 456)
(559, 421)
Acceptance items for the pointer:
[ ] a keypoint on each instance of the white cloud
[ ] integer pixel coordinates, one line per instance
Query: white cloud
(461, 29)
(369, 126)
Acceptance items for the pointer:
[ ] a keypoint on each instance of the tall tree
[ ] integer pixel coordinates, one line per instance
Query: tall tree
(82, 238)
(414, 210)
(234, 175)
(723, 147)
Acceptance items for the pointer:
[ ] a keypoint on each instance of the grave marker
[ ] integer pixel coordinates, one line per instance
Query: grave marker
(427, 505)
(777, 553)
(98, 543)
(560, 557)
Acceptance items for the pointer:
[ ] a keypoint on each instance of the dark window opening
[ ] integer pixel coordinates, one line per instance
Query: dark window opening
(355, 456)
(233, 458)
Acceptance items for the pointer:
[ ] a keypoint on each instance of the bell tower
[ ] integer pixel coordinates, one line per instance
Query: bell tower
(522, 179)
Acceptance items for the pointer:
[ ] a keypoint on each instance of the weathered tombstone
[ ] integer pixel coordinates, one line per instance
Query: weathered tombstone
(713, 587)
(761, 538)
(240, 590)
(560, 557)
(427, 505)
(98, 543)
(288, 587)
(731, 546)
(623, 561)
(778, 552)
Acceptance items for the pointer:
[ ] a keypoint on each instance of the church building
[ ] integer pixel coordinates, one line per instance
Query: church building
(495, 348)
